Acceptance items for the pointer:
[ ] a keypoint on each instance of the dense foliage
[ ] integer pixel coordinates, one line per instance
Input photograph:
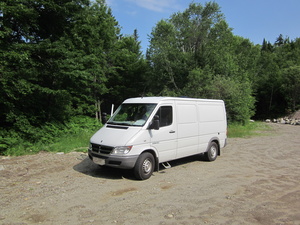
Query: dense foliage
(64, 59)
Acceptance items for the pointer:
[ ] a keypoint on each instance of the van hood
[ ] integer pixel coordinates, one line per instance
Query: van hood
(114, 135)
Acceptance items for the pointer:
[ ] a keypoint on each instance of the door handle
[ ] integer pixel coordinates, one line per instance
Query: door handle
(172, 131)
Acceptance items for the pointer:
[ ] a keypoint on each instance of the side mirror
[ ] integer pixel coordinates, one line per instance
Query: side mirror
(155, 123)
(103, 118)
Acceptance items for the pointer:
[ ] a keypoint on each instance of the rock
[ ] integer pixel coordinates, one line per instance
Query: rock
(170, 215)
(293, 122)
(4, 157)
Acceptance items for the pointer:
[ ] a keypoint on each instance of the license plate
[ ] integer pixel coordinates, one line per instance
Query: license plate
(99, 161)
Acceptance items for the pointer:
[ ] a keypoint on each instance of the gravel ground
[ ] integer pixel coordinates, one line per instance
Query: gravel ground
(254, 181)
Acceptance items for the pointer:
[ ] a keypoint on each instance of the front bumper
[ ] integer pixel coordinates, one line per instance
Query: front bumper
(122, 162)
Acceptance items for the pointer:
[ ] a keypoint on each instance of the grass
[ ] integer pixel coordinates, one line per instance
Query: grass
(251, 129)
(73, 136)
(70, 143)
(67, 143)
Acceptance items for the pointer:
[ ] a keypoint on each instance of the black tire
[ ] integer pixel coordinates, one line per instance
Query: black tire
(212, 152)
(144, 166)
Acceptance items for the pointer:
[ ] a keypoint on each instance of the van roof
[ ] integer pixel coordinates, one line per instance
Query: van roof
(159, 99)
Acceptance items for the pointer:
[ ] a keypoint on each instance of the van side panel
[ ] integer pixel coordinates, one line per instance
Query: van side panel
(212, 124)
(187, 126)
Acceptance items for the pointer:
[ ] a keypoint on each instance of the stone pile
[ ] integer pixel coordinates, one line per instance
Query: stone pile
(293, 119)
(285, 120)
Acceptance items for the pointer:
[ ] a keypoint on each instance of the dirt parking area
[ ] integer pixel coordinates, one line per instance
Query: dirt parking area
(254, 181)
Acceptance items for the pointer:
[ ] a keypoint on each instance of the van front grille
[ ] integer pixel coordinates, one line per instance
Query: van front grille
(103, 149)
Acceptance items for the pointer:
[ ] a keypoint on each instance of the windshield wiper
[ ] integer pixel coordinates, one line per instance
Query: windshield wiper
(118, 123)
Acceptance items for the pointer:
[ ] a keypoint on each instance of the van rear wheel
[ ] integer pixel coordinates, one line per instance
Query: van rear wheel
(212, 152)
(144, 166)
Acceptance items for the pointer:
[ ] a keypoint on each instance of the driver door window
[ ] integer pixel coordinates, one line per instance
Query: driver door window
(165, 114)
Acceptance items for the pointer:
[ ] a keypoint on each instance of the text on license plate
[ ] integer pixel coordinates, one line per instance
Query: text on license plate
(99, 161)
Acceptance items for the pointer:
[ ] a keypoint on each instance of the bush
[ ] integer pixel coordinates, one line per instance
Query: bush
(237, 97)
(73, 133)
(237, 94)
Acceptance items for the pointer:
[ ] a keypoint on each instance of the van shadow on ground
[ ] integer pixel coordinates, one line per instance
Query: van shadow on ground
(87, 167)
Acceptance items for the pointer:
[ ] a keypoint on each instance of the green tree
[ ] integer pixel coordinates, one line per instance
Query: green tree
(55, 58)
(29, 95)
(176, 46)
(292, 87)
(195, 48)
(270, 101)
(279, 41)
(168, 62)
(200, 83)
(194, 26)
(90, 57)
(128, 78)
(237, 96)
(276, 67)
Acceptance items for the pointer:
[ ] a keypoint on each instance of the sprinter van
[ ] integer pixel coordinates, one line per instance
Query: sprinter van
(144, 132)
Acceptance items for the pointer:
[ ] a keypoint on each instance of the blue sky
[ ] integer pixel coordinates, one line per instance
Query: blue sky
(253, 19)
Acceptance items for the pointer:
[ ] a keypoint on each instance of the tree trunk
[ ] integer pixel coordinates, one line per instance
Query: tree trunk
(98, 110)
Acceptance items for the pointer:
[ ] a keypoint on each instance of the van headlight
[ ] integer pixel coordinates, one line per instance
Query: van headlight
(90, 147)
(121, 150)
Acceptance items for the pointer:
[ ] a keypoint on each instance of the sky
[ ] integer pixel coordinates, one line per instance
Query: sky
(252, 19)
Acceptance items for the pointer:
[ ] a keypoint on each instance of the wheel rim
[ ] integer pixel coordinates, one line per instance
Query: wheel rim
(213, 152)
(147, 166)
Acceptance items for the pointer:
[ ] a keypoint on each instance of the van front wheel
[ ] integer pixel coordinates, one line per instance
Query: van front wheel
(144, 166)
(212, 152)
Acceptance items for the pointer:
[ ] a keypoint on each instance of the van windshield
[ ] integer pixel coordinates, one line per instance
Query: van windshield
(132, 114)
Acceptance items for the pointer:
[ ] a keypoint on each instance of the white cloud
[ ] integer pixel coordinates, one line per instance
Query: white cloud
(157, 5)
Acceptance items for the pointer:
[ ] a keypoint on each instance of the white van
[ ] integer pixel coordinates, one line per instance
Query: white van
(144, 132)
